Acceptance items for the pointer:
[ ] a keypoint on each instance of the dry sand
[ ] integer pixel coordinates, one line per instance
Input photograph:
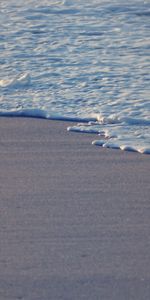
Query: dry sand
(74, 218)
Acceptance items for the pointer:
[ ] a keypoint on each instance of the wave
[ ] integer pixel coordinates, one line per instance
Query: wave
(126, 134)
(124, 147)
(20, 81)
(115, 119)
(97, 119)
(113, 132)
(42, 113)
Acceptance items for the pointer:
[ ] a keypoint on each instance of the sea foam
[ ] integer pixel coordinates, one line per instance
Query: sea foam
(20, 81)
(81, 61)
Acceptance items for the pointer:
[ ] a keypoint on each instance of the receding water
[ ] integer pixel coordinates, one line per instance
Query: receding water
(83, 59)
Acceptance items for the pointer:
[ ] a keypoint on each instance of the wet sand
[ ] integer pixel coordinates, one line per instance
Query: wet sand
(74, 218)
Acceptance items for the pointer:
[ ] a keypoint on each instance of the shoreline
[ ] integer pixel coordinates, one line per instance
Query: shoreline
(75, 220)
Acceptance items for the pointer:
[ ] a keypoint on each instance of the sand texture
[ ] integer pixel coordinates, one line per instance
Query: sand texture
(74, 218)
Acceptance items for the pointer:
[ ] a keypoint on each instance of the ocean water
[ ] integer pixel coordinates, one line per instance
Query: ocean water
(83, 60)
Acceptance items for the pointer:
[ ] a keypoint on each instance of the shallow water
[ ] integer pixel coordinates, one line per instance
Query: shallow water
(82, 60)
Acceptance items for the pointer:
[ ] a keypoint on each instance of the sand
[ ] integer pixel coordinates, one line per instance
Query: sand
(74, 218)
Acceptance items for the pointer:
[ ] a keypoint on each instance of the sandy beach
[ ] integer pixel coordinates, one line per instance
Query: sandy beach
(74, 218)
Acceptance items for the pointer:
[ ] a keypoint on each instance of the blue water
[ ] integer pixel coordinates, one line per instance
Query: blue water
(83, 60)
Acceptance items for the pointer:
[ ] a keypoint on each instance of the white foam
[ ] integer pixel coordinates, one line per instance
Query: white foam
(32, 112)
(41, 113)
(22, 80)
(85, 129)
(117, 136)
(113, 145)
(115, 118)
(105, 144)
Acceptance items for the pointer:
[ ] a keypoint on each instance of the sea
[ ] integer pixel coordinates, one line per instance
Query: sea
(86, 61)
